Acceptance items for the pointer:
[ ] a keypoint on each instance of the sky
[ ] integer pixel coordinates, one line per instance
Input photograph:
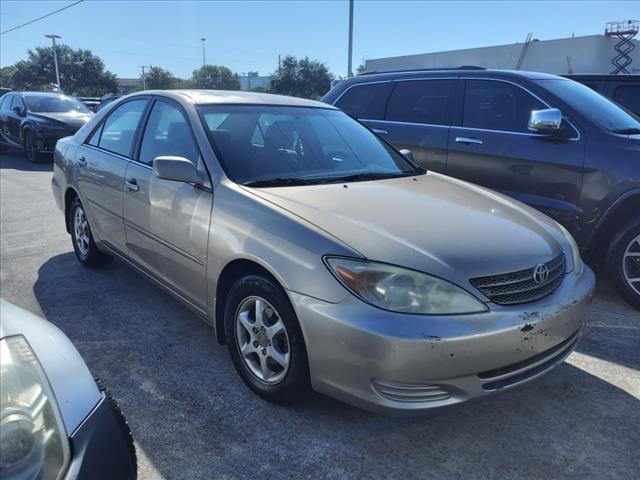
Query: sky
(249, 35)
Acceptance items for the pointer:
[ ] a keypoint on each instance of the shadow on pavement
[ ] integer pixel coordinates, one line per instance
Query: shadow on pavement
(193, 417)
(15, 160)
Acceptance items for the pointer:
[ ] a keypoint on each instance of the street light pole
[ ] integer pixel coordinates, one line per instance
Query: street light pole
(144, 84)
(53, 38)
(349, 63)
(204, 62)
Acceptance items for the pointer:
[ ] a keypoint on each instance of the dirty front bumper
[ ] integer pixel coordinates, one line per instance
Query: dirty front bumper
(402, 363)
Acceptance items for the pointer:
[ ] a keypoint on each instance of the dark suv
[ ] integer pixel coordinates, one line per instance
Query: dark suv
(547, 141)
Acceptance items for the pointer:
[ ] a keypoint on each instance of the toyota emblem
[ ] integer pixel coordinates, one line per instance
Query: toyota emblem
(540, 274)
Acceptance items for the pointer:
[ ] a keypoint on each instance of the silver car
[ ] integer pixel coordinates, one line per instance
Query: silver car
(322, 256)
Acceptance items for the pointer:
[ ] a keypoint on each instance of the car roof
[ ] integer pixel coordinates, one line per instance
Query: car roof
(235, 97)
(457, 72)
(42, 94)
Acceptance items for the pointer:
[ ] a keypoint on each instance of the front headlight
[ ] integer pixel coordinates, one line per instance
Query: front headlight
(576, 262)
(402, 290)
(33, 440)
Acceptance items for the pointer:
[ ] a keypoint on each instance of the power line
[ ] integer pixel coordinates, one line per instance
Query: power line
(40, 18)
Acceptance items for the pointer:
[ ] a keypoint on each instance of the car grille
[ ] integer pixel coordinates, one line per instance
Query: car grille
(520, 287)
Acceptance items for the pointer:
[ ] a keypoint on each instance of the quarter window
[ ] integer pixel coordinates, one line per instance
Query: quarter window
(365, 101)
(118, 131)
(167, 133)
(495, 105)
(422, 101)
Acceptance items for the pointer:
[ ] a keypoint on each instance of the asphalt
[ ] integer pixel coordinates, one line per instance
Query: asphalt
(193, 418)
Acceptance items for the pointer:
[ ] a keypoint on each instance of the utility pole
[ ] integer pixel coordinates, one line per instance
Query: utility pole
(204, 61)
(53, 38)
(349, 63)
(144, 84)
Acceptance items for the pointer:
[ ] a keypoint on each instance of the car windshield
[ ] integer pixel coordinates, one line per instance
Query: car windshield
(54, 104)
(274, 145)
(592, 105)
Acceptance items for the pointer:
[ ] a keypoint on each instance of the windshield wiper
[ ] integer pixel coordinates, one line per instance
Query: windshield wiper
(279, 182)
(359, 177)
(627, 131)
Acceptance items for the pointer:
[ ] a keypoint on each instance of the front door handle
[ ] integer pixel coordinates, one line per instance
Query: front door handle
(132, 185)
(379, 131)
(82, 161)
(468, 140)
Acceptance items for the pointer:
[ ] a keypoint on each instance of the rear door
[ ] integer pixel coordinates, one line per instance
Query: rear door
(492, 146)
(101, 166)
(166, 222)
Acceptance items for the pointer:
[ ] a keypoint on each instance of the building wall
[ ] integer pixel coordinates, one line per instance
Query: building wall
(589, 54)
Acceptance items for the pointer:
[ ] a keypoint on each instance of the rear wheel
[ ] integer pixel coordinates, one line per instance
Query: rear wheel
(30, 148)
(84, 246)
(265, 340)
(624, 262)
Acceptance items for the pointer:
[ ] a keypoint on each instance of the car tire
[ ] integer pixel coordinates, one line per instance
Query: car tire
(121, 420)
(30, 149)
(623, 265)
(280, 384)
(84, 246)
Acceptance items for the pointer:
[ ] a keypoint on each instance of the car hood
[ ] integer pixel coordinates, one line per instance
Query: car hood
(431, 223)
(74, 120)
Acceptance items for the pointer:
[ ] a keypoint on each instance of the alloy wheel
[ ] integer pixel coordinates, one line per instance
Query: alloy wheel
(262, 340)
(82, 232)
(631, 264)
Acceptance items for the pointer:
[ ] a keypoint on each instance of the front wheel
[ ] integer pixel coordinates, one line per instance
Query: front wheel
(30, 148)
(624, 262)
(84, 246)
(265, 340)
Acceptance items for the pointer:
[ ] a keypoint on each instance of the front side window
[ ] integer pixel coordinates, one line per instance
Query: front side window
(119, 129)
(494, 105)
(600, 110)
(422, 101)
(17, 102)
(305, 145)
(365, 101)
(54, 104)
(5, 104)
(167, 133)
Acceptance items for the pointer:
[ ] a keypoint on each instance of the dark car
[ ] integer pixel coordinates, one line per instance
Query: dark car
(35, 121)
(90, 102)
(107, 100)
(622, 89)
(545, 140)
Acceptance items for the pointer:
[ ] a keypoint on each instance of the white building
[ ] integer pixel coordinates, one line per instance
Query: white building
(252, 80)
(589, 54)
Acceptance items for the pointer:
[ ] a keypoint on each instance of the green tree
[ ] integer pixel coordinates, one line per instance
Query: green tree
(81, 72)
(361, 68)
(301, 78)
(157, 78)
(215, 77)
(6, 76)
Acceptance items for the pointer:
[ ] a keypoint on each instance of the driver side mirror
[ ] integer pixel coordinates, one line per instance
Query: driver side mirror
(177, 169)
(408, 154)
(19, 111)
(548, 120)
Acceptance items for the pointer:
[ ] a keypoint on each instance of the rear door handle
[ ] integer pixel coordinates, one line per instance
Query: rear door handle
(379, 132)
(468, 140)
(132, 185)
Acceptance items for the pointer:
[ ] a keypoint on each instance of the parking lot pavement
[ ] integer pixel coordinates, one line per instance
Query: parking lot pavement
(193, 418)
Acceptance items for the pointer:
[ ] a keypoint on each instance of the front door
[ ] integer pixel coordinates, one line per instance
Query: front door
(101, 166)
(493, 147)
(166, 222)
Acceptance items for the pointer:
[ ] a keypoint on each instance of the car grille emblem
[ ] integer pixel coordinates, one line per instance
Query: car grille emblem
(540, 274)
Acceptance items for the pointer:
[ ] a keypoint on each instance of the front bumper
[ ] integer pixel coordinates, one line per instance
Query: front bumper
(99, 449)
(400, 363)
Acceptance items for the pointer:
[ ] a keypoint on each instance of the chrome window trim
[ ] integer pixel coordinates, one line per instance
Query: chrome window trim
(532, 134)
(109, 152)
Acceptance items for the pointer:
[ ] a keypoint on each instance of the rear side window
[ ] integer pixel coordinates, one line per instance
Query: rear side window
(422, 101)
(167, 133)
(495, 105)
(629, 97)
(365, 101)
(119, 129)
